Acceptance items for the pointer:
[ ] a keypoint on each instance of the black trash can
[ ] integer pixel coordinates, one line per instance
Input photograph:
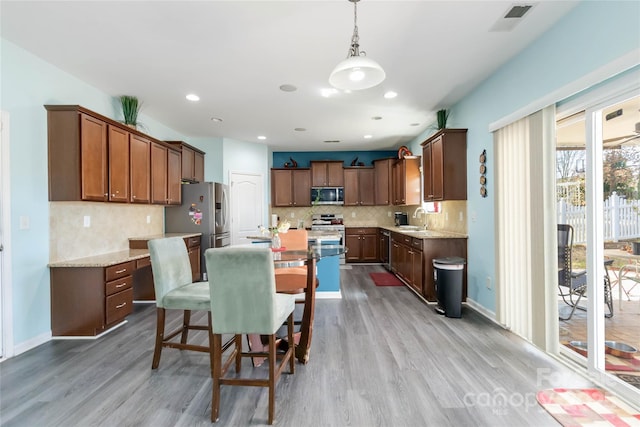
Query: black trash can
(447, 275)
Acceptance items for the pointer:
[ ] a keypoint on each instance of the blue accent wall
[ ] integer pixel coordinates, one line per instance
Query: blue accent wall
(304, 157)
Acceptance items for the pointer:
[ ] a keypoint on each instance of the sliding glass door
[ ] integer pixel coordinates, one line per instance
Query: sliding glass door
(598, 168)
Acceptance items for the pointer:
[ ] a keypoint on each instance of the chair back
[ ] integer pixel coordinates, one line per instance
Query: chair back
(565, 246)
(170, 265)
(295, 240)
(243, 290)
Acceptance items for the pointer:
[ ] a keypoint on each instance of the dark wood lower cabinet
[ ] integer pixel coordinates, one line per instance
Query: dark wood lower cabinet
(86, 301)
(412, 261)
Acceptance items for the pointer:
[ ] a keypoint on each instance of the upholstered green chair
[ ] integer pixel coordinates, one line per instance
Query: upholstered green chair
(175, 291)
(244, 301)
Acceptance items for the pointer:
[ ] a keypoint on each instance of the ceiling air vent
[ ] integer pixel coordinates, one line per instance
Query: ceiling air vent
(511, 18)
(332, 141)
(517, 11)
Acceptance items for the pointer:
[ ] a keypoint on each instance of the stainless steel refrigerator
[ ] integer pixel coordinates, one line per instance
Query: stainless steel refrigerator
(204, 209)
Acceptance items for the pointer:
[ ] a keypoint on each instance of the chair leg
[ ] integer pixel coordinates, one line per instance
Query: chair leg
(211, 353)
(573, 307)
(216, 367)
(160, 315)
(272, 374)
(238, 350)
(608, 300)
(185, 326)
(292, 361)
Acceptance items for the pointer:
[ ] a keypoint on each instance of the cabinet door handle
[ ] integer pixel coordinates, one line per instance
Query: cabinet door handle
(121, 285)
(121, 271)
(121, 305)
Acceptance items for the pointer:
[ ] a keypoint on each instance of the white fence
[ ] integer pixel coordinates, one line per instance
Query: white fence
(621, 219)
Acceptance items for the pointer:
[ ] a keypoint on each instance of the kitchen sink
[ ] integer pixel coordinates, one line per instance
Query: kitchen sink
(409, 227)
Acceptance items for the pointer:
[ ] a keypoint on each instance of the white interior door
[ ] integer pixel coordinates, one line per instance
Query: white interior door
(247, 205)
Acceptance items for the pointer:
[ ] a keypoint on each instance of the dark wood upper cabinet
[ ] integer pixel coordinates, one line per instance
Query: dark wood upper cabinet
(327, 173)
(192, 162)
(406, 181)
(140, 173)
(359, 186)
(445, 165)
(94, 158)
(118, 164)
(290, 187)
(383, 181)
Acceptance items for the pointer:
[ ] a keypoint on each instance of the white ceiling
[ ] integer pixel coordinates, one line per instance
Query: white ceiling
(236, 54)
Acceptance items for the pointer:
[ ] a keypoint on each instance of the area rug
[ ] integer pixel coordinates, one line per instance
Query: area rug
(634, 380)
(587, 407)
(385, 279)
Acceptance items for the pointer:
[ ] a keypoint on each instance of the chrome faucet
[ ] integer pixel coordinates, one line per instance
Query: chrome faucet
(421, 210)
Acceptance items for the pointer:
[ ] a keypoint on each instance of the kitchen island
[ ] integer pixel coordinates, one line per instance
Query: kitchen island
(327, 269)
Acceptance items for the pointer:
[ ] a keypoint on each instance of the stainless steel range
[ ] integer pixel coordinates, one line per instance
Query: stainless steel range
(330, 222)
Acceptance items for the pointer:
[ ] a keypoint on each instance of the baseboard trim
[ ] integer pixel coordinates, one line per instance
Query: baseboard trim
(32, 343)
(329, 295)
(483, 311)
(94, 337)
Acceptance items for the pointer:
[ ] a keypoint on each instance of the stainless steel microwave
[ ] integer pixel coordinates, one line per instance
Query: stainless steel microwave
(327, 195)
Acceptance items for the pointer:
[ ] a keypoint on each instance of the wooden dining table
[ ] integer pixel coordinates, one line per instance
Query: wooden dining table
(299, 258)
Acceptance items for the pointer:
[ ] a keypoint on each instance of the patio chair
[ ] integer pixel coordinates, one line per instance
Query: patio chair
(572, 284)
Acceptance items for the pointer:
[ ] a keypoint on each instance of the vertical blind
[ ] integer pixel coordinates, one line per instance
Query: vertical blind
(525, 226)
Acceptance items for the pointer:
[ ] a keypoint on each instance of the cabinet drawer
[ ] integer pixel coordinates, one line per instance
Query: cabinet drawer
(192, 241)
(118, 285)
(417, 243)
(142, 263)
(119, 305)
(406, 240)
(361, 230)
(120, 270)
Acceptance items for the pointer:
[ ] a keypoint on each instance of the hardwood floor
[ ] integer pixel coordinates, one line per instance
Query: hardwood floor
(380, 357)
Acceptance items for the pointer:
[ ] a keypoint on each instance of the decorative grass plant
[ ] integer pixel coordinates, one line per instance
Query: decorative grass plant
(130, 109)
(441, 117)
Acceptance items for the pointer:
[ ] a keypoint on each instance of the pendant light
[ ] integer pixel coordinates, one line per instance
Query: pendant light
(357, 71)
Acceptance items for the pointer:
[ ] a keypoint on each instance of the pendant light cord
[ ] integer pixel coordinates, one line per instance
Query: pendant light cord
(354, 48)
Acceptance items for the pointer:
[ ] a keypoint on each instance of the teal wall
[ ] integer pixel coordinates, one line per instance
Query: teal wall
(591, 36)
(304, 157)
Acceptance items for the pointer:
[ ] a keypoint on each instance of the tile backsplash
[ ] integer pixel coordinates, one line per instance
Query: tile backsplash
(110, 227)
(372, 216)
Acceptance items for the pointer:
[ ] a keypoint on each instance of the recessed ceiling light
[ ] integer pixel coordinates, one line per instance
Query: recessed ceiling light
(300, 129)
(288, 88)
(376, 118)
(391, 94)
(216, 119)
(193, 97)
(368, 136)
(327, 92)
(262, 137)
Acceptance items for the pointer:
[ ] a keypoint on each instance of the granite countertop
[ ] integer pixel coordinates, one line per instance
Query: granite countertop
(426, 234)
(113, 258)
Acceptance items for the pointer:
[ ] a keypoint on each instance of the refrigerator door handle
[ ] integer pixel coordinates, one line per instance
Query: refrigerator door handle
(225, 210)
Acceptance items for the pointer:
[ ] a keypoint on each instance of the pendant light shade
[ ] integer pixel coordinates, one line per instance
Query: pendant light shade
(357, 71)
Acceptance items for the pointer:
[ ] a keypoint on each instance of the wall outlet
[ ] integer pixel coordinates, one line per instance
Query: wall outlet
(87, 221)
(460, 216)
(446, 216)
(353, 214)
(473, 216)
(389, 214)
(488, 282)
(293, 214)
(148, 219)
